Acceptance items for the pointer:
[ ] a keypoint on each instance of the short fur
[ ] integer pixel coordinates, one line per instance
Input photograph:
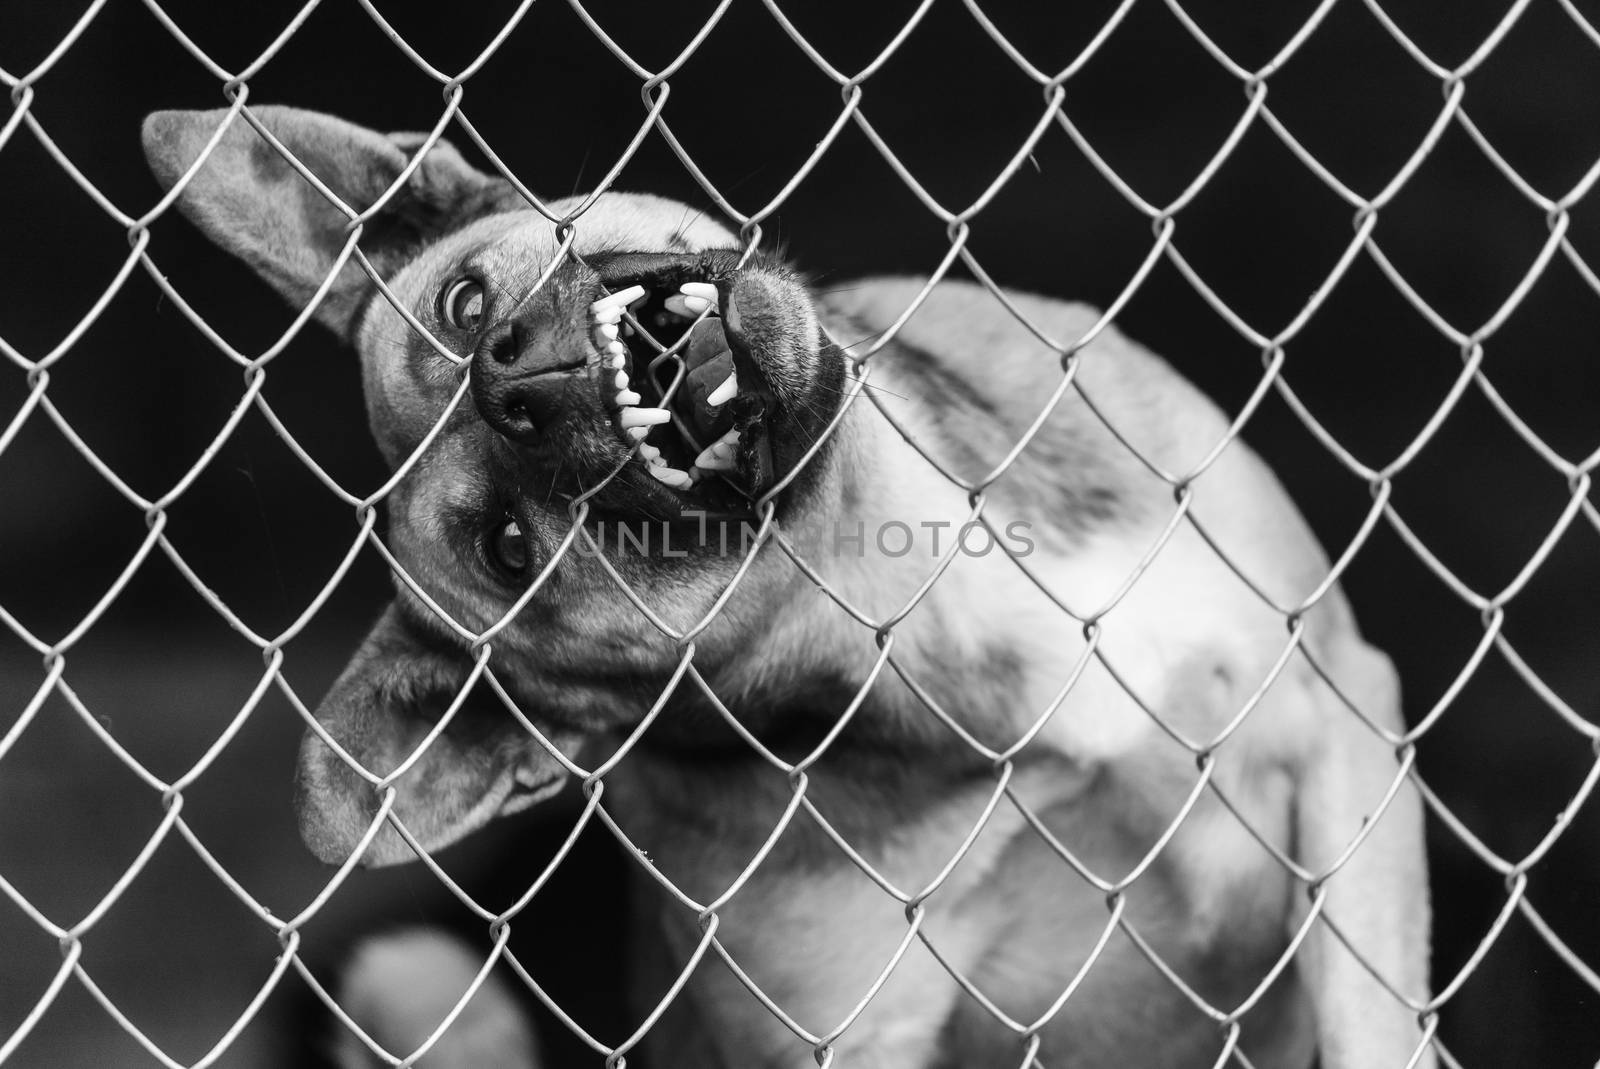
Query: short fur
(963, 380)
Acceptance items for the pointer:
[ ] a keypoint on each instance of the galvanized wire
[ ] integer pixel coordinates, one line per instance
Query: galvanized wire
(1054, 119)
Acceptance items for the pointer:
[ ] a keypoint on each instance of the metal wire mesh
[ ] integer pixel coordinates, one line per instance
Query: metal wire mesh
(1053, 119)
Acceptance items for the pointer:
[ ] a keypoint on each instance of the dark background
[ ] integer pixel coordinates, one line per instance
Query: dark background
(147, 392)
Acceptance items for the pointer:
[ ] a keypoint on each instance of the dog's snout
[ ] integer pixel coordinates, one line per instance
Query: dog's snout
(520, 380)
(504, 344)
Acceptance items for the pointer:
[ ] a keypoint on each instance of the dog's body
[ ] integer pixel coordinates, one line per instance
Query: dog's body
(1142, 767)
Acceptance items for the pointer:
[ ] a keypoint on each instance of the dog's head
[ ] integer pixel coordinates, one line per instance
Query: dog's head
(632, 366)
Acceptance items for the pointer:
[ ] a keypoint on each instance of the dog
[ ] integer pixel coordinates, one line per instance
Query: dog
(1088, 774)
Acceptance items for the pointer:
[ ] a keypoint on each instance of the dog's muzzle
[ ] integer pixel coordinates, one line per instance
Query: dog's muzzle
(650, 352)
(520, 382)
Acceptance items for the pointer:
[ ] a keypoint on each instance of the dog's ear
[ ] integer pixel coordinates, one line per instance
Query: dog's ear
(379, 711)
(247, 198)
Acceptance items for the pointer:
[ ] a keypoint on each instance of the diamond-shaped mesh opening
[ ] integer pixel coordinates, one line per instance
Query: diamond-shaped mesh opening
(913, 804)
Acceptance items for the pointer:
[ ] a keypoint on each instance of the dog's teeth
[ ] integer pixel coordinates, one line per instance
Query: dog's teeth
(650, 454)
(727, 391)
(616, 356)
(608, 331)
(719, 455)
(626, 398)
(618, 299)
(606, 314)
(710, 461)
(672, 477)
(704, 290)
(687, 307)
(636, 433)
(642, 417)
(621, 381)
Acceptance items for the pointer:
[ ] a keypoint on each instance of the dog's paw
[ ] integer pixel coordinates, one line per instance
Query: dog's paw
(398, 986)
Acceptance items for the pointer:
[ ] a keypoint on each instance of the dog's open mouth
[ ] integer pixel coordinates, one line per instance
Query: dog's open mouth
(680, 386)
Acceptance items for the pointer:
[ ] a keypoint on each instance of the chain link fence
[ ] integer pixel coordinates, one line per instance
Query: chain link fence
(182, 462)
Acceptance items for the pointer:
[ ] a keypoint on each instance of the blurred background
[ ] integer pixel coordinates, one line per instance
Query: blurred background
(162, 674)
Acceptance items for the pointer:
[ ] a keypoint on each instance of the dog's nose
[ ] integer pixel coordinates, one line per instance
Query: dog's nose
(519, 380)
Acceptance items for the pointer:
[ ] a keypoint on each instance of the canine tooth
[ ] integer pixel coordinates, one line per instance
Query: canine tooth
(719, 455)
(727, 391)
(687, 306)
(643, 417)
(699, 289)
(621, 381)
(627, 397)
(619, 298)
(673, 477)
(710, 460)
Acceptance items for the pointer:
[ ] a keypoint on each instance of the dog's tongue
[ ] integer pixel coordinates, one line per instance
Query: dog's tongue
(707, 342)
(708, 362)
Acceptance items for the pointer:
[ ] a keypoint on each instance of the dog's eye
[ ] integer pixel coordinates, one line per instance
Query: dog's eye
(462, 303)
(508, 549)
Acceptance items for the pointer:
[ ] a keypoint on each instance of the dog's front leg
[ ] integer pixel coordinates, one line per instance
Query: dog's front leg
(1378, 898)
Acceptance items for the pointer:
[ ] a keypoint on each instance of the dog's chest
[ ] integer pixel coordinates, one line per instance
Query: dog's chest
(990, 900)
